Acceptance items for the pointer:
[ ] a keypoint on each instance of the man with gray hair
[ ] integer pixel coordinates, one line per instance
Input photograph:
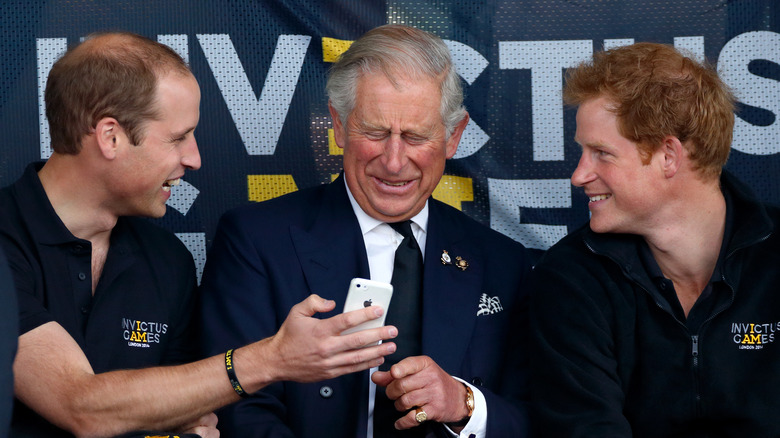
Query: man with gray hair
(458, 303)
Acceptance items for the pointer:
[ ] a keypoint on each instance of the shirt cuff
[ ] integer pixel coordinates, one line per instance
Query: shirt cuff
(477, 425)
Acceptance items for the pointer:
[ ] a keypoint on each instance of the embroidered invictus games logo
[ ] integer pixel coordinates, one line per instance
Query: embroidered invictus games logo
(141, 334)
(754, 336)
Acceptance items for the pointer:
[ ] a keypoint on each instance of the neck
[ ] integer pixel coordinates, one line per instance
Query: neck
(686, 245)
(70, 189)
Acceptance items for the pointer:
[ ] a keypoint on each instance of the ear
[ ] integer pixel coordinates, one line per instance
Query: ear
(338, 128)
(454, 140)
(673, 155)
(108, 134)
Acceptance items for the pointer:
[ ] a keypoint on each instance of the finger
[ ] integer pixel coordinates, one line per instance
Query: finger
(206, 420)
(209, 419)
(409, 366)
(427, 377)
(313, 304)
(362, 359)
(409, 421)
(410, 399)
(382, 378)
(362, 338)
(206, 432)
(351, 319)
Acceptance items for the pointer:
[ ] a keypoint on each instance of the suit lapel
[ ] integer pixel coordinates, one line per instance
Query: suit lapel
(451, 295)
(331, 252)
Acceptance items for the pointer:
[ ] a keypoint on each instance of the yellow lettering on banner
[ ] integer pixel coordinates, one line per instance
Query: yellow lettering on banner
(454, 190)
(332, 48)
(264, 187)
(333, 148)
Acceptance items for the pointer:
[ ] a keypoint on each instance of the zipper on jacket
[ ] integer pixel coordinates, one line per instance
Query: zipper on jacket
(695, 366)
(694, 338)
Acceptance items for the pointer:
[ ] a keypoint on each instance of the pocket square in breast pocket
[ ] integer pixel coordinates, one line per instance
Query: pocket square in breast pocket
(488, 305)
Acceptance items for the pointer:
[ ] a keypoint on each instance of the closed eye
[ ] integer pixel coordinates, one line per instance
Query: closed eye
(376, 135)
(414, 139)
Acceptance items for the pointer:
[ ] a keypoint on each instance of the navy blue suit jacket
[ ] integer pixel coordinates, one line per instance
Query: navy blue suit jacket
(267, 257)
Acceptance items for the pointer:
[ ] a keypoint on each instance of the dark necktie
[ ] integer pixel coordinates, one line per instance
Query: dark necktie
(404, 312)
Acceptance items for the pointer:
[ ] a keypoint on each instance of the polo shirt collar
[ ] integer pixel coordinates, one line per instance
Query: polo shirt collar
(38, 211)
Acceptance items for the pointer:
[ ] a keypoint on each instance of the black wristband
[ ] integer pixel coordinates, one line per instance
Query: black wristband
(231, 372)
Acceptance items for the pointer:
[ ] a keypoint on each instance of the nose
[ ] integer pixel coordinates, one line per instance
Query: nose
(583, 174)
(191, 155)
(395, 154)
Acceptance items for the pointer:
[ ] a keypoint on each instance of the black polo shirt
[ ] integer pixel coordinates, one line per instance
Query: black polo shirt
(141, 312)
(8, 331)
(715, 296)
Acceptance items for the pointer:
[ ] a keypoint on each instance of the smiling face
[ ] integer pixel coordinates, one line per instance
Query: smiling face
(624, 193)
(395, 145)
(168, 148)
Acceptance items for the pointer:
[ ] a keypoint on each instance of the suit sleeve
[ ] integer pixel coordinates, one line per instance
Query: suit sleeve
(575, 386)
(237, 308)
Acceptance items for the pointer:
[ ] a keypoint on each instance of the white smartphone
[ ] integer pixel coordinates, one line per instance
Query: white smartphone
(364, 293)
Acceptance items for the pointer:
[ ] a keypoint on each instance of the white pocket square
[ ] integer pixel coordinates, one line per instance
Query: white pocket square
(489, 305)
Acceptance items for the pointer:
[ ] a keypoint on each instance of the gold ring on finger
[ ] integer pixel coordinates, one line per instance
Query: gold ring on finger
(420, 415)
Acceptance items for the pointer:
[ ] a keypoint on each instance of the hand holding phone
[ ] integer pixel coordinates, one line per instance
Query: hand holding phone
(364, 293)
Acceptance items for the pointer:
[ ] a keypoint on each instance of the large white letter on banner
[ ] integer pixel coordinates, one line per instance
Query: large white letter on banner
(757, 91)
(469, 64)
(507, 197)
(546, 60)
(48, 50)
(259, 121)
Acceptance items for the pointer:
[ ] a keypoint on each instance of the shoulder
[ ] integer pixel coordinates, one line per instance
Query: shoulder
(570, 259)
(290, 208)
(452, 220)
(571, 245)
(155, 241)
(9, 205)
(11, 218)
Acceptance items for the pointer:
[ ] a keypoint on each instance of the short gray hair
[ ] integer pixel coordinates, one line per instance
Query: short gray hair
(396, 51)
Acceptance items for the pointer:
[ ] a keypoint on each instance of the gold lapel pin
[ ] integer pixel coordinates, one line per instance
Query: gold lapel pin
(461, 264)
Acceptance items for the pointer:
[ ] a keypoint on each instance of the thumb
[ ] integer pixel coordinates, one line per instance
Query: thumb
(382, 378)
(313, 304)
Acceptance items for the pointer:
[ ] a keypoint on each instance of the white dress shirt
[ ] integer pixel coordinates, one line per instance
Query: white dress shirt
(381, 242)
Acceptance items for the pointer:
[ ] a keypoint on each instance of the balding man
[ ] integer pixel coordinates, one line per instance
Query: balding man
(101, 290)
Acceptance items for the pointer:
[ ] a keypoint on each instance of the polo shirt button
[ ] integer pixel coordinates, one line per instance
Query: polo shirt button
(85, 310)
(326, 391)
(82, 276)
(476, 381)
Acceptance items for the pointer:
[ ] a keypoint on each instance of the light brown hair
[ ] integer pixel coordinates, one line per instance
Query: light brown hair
(107, 75)
(657, 91)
